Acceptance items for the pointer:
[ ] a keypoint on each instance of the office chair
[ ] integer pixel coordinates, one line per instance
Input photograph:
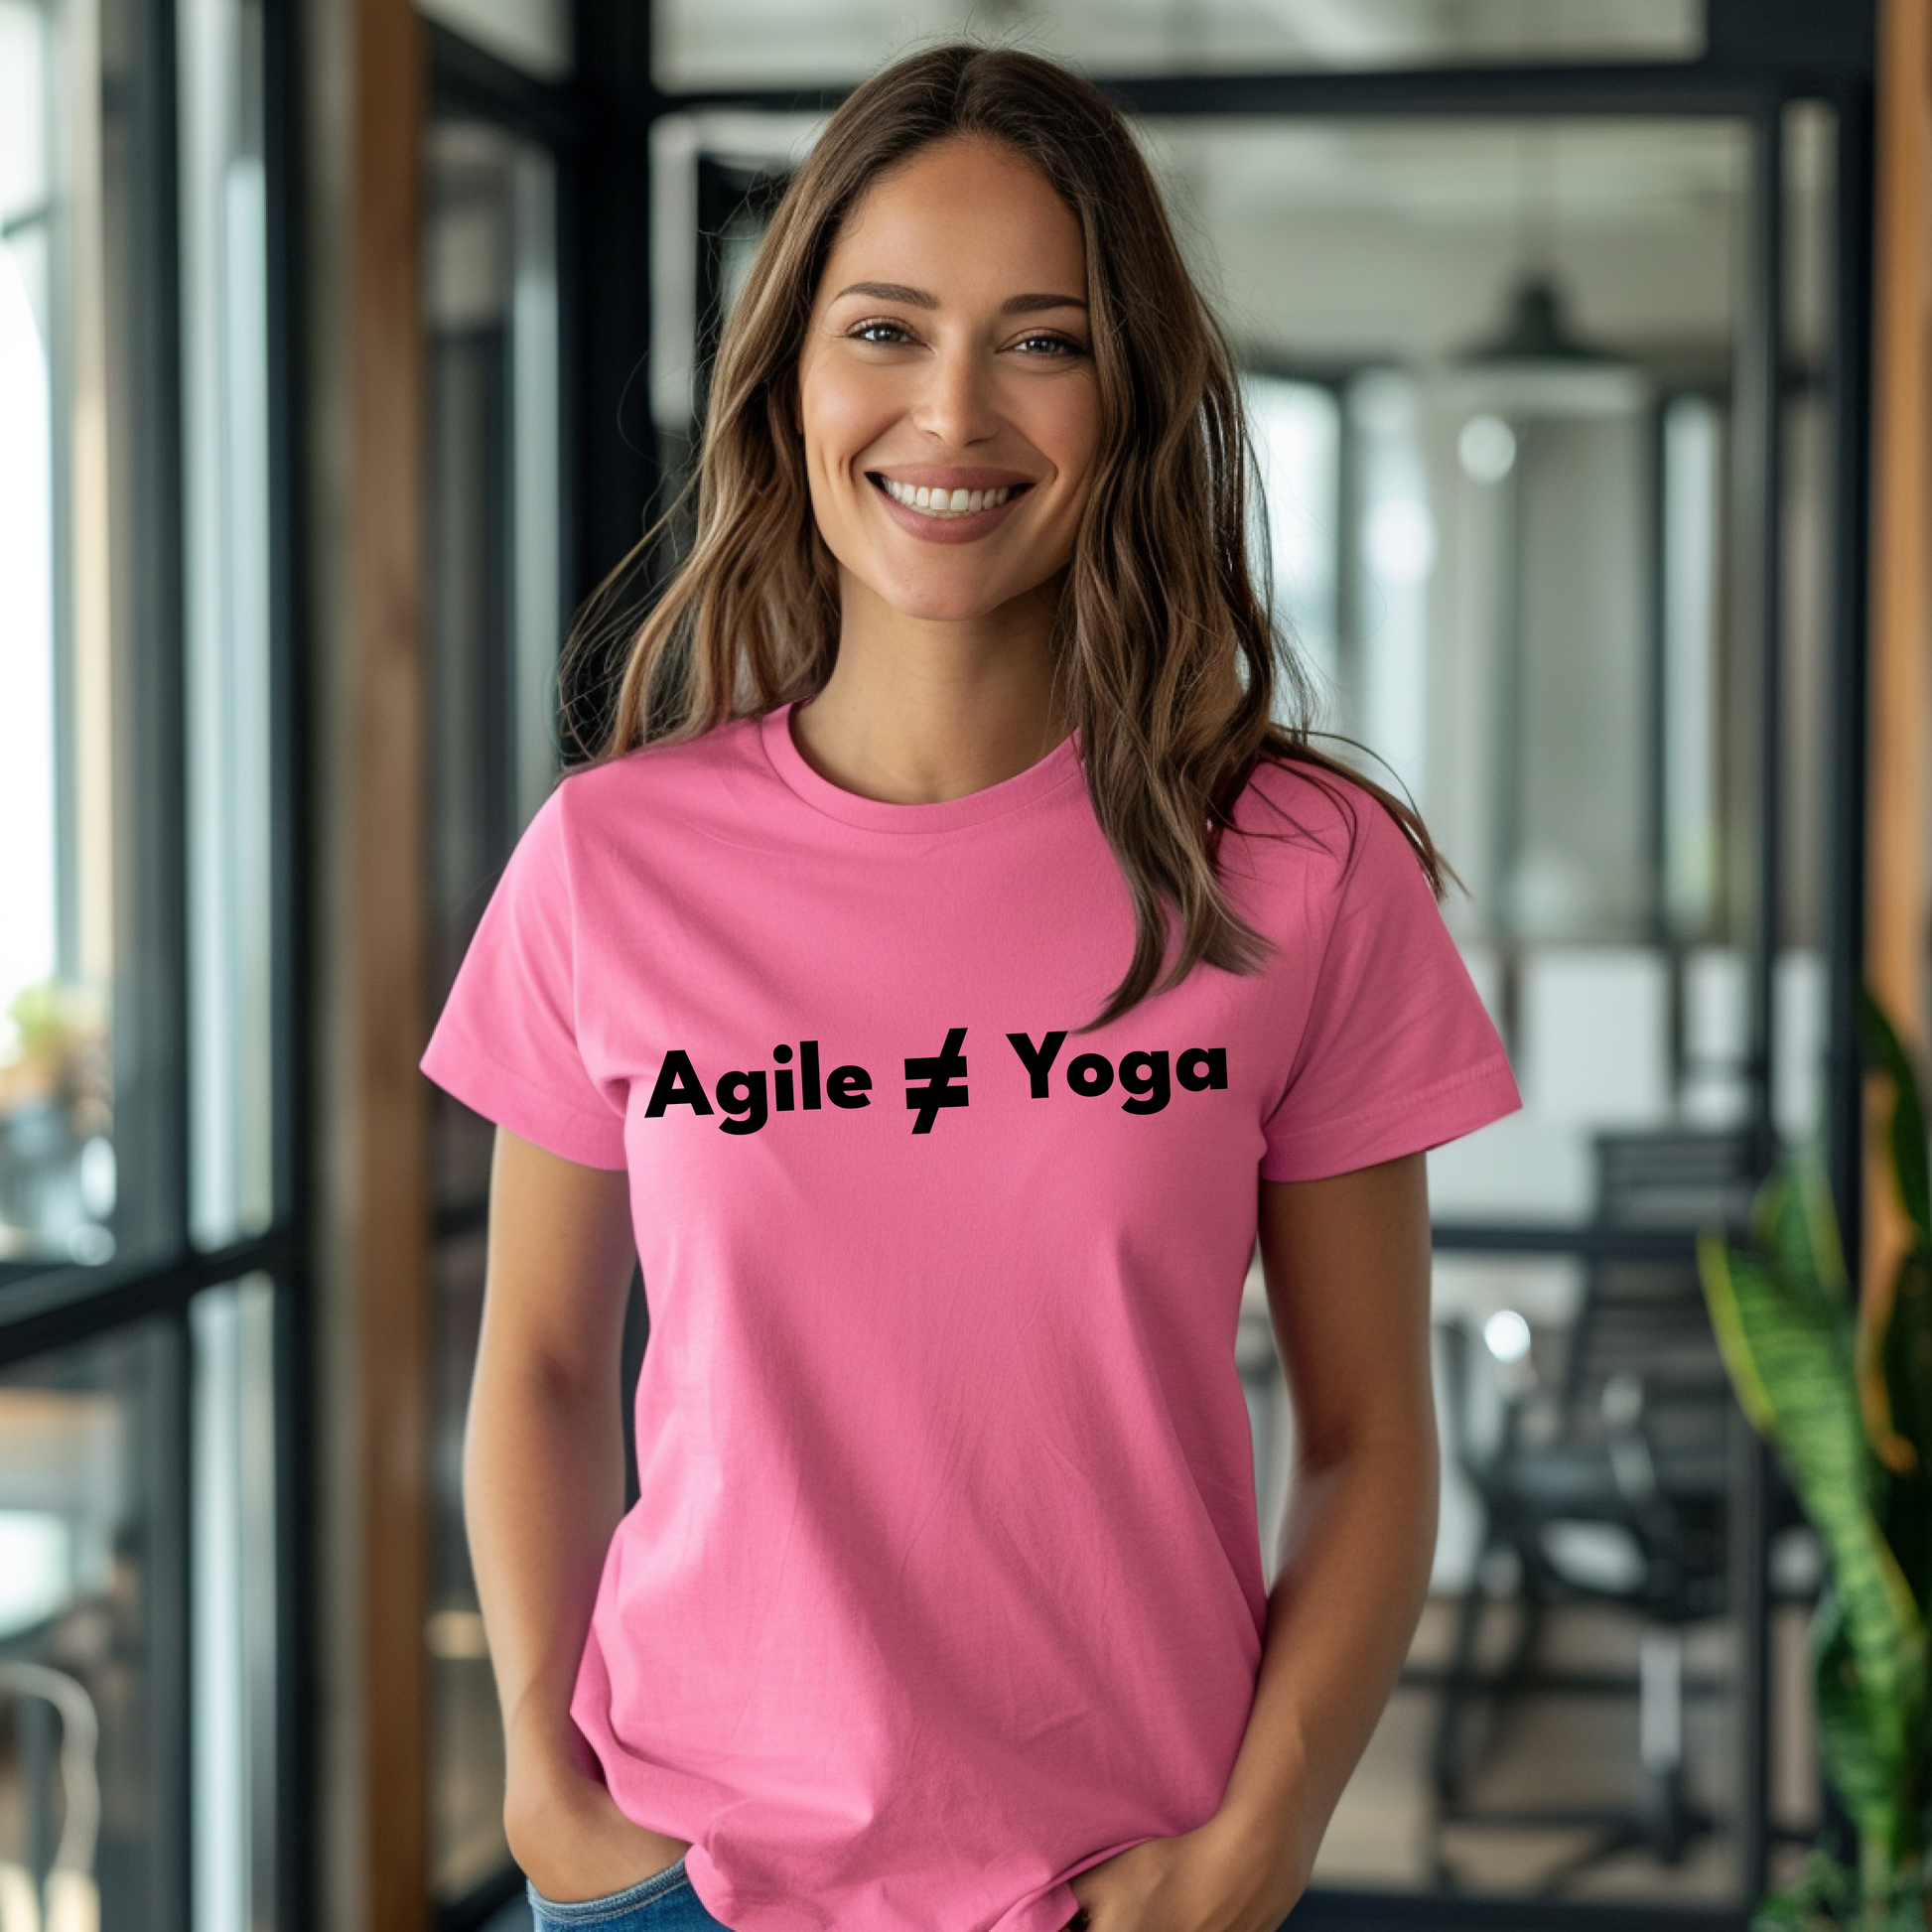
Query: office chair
(1632, 1435)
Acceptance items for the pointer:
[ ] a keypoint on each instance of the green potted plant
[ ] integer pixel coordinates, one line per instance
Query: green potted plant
(1844, 1394)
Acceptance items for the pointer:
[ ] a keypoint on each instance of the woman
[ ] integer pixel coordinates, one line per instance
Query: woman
(944, 975)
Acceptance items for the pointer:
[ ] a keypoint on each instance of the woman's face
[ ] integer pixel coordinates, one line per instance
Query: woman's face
(946, 387)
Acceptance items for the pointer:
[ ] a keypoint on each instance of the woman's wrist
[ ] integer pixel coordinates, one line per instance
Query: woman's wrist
(540, 1726)
(570, 1840)
(1269, 1796)
(1268, 1843)
(547, 1766)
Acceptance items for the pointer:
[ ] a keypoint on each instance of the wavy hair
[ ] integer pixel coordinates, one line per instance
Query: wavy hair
(1167, 659)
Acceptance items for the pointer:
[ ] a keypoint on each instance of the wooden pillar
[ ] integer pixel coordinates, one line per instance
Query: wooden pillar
(1901, 691)
(364, 89)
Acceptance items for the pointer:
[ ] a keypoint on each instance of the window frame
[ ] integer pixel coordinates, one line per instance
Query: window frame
(65, 1306)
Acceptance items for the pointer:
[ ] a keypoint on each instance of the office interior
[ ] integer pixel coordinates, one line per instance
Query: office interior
(347, 346)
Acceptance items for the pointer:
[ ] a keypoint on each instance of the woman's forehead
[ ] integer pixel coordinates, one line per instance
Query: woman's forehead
(962, 209)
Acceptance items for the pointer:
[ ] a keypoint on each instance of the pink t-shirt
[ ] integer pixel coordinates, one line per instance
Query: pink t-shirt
(945, 1579)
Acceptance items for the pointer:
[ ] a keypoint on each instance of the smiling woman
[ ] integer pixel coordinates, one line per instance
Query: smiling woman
(1164, 656)
(942, 1606)
(919, 401)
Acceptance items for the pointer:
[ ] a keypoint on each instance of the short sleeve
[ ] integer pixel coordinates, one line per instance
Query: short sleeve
(1398, 1053)
(508, 1041)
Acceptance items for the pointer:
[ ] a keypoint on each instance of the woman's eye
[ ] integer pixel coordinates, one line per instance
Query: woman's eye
(1049, 345)
(878, 332)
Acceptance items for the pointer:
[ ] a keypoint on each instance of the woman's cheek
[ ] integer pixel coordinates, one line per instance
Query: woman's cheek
(838, 429)
(1065, 429)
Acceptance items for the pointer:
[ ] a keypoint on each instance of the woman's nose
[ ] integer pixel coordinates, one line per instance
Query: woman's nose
(955, 405)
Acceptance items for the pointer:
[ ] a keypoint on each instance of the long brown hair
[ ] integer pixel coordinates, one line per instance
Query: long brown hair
(1169, 664)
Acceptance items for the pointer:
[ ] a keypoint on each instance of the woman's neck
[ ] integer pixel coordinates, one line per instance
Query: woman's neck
(917, 712)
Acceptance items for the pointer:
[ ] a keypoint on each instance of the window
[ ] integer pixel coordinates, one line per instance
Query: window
(145, 1149)
(1491, 391)
(83, 1174)
(90, 1656)
(1496, 382)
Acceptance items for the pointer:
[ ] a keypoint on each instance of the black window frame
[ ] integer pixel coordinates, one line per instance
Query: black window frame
(43, 1311)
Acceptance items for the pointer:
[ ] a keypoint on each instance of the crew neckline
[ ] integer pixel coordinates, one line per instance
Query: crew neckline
(1054, 772)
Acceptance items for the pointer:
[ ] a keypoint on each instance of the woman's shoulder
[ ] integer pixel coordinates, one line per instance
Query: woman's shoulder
(1320, 812)
(1306, 838)
(665, 775)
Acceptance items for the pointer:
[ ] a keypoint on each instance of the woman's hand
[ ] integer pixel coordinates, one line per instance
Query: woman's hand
(565, 1829)
(1216, 1878)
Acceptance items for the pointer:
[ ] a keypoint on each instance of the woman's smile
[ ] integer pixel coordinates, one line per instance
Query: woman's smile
(939, 505)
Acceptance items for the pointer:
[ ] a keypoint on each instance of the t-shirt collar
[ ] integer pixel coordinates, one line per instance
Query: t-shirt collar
(1057, 771)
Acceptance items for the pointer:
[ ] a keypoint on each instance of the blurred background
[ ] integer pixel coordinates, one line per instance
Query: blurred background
(345, 347)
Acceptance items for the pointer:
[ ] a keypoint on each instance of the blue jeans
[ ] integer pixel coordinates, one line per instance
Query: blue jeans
(663, 1903)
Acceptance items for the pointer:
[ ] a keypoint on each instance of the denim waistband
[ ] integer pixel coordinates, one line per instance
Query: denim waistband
(596, 1912)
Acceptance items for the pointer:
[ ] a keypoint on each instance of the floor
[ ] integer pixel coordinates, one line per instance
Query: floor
(1553, 1748)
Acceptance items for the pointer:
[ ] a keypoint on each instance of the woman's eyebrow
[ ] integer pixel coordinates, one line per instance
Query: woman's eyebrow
(1025, 305)
(1018, 305)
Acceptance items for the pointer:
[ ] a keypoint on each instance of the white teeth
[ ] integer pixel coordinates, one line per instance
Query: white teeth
(945, 502)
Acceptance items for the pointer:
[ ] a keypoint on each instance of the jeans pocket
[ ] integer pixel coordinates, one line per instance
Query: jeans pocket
(612, 1908)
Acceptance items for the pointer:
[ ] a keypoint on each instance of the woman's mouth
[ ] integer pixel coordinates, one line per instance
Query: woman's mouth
(941, 515)
(944, 502)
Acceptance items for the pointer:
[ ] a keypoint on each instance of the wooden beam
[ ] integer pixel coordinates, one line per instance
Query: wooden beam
(1901, 585)
(387, 591)
(1896, 921)
(366, 97)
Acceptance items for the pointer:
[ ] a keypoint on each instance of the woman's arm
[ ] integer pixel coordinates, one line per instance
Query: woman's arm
(1347, 1269)
(542, 1492)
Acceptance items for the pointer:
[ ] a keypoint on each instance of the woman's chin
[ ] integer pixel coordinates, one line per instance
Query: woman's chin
(947, 611)
(949, 602)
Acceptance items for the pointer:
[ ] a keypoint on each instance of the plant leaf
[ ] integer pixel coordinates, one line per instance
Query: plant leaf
(1819, 1899)
(1864, 1742)
(1884, 1052)
(1715, 1272)
(1785, 1327)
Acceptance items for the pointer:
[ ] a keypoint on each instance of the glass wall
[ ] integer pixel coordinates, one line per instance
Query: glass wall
(144, 1064)
(1493, 382)
(230, 738)
(79, 947)
(238, 1645)
(99, 532)
(1493, 391)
